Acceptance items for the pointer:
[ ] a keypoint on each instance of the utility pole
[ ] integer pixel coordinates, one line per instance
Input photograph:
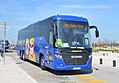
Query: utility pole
(4, 28)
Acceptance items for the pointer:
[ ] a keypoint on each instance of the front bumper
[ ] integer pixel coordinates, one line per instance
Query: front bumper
(62, 66)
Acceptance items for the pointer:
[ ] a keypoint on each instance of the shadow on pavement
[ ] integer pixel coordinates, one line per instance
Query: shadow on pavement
(65, 72)
(71, 72)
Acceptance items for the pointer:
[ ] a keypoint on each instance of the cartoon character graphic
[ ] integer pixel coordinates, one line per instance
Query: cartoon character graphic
(32, 55)
(31, 46)
(27, 46)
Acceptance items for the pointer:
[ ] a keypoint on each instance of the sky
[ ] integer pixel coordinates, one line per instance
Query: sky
(21, 13)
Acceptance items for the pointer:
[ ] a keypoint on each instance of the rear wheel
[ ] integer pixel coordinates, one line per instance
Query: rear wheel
(22, 56)
(42, 63)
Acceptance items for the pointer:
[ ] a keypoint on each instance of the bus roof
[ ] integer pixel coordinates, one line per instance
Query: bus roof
(62, 17)
(68, 17)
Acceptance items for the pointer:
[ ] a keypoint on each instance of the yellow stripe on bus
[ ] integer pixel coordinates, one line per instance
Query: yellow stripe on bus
(97, 81)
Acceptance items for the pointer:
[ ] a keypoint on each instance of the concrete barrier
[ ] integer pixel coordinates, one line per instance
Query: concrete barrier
(106, 59)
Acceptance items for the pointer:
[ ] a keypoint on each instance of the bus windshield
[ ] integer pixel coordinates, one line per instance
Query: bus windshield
(72, 34)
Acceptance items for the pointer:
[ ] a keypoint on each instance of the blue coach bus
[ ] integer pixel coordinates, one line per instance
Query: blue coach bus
(60, 42)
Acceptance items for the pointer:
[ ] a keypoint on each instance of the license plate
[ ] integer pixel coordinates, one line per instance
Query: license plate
(76, 68)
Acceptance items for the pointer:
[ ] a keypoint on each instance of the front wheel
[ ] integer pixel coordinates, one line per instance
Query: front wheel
(42, 63)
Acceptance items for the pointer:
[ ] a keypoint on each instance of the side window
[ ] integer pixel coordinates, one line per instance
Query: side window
(51, 38)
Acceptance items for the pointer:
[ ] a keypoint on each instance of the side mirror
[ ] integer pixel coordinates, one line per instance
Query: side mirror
(96, 31)
(92, 27)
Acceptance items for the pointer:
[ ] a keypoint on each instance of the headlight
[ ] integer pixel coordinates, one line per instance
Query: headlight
(58, 56)
(90, 56)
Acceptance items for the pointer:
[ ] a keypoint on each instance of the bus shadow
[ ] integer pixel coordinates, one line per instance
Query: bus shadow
(70, 72)
(64, 72)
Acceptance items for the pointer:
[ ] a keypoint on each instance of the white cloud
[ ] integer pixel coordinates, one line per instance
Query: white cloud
(89, 6)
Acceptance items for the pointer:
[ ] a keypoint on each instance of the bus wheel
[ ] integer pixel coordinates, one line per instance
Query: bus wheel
(42, 63)
(23, 57)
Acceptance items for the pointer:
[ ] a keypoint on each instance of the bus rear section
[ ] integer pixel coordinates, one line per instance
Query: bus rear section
(60, 42)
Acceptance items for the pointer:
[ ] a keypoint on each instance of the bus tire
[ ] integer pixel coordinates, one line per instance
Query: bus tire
(42, 63)
(22, 56)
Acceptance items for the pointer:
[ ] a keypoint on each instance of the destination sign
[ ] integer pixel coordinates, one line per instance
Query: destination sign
(73, 25)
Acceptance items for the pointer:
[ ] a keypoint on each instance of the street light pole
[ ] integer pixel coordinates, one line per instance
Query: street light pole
(4, 27)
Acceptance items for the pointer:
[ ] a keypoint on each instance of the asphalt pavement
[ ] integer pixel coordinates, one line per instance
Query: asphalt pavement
(17, 71)
(11, 73)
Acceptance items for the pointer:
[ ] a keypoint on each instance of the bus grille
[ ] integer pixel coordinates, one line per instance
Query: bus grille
(75, 60)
